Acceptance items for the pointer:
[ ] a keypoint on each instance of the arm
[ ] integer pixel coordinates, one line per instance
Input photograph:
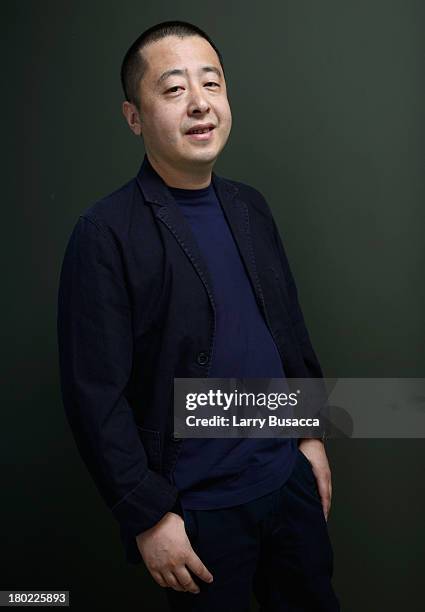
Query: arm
(309, 356)
(295, 312)
(313, 448)
(95, 358)
(95, 341)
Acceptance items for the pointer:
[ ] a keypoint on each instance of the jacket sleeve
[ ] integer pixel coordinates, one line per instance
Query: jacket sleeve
(295, 312)
(309, 356)
(95, 342)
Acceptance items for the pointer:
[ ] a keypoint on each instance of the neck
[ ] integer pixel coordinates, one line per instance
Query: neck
(196, 177)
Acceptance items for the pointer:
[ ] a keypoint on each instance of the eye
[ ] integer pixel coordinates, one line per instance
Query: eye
(176, 87)
(173, 88)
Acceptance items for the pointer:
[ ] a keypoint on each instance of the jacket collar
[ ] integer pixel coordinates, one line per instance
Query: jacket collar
(155, 190)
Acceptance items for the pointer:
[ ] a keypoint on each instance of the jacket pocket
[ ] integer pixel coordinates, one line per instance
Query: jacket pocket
(151, 441)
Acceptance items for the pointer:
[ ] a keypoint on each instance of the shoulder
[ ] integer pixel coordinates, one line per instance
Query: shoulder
(112, 209)
(116, 216)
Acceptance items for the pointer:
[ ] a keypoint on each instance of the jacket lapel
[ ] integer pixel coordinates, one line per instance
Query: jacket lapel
(174, 219)
(237, 216)
(166, 209)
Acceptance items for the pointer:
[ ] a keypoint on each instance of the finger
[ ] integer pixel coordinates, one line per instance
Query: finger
(195, 564)
(185, 580)
(323, 487)
(328, 507)
(324, 494)
(330, 495)
(171, 581)
(159, 579)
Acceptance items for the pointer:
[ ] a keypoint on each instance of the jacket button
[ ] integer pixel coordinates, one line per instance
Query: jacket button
(202, 358)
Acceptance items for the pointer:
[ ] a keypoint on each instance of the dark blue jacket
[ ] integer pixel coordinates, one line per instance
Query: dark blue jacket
(135, 310)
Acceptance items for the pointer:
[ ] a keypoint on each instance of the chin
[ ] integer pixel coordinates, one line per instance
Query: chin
(204, 156)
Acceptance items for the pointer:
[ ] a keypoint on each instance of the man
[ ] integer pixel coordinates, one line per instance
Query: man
(181, 273)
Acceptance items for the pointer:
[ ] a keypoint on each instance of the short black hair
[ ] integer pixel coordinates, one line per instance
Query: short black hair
(134, 64)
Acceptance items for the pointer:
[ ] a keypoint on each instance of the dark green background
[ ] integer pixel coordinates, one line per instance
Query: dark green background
(328, 117)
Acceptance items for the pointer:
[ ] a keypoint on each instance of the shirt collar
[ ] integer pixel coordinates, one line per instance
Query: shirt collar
(156, 191)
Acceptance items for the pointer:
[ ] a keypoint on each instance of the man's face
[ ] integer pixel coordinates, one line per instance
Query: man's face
(172, 104)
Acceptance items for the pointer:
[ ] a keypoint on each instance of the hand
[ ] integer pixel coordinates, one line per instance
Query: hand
(166, 551)
(314, 450)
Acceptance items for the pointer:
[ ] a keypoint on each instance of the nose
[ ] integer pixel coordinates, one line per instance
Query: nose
(198, 102)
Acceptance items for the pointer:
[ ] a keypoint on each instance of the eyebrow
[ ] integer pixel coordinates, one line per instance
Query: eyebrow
(177, 71)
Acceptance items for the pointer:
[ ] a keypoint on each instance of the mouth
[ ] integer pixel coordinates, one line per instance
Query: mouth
(200, 133)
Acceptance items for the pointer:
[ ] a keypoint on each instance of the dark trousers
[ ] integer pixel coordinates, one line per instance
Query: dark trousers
(276, 546)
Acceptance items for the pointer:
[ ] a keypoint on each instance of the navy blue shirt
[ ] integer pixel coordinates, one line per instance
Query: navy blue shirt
(215, 473)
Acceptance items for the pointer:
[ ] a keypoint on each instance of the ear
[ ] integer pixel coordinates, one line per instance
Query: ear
(132, 117)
